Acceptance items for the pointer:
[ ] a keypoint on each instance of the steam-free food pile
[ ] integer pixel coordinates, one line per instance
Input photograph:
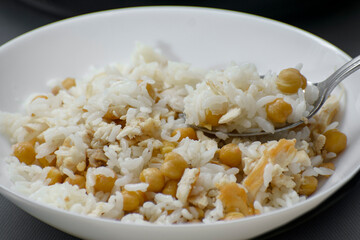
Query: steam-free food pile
(114, 144)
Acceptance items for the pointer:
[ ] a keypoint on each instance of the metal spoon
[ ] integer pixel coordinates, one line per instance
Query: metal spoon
(325, 88)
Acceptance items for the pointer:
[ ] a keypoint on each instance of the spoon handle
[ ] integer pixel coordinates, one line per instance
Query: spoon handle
(334, 79)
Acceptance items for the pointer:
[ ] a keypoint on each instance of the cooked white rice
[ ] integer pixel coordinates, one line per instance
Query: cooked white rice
(240, 95)
(71, 131)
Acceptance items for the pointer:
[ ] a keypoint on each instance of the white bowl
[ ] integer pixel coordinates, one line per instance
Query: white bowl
(203, 37)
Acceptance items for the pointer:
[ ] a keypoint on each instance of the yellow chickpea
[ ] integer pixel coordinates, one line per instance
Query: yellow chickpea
(77, 180)
(308, 185)
(233, 215)
(154, 178)
(335, 141)
(278, 111)
(68, 83)
(54, 175)
(170, 188)
(45, 163)
(184, 133)
(290, 80)
(132, 200)
(25, 152)
(141, 196)
(174, 166)
(230, 155)
(104, 183)
(167, 147)
(212, 119)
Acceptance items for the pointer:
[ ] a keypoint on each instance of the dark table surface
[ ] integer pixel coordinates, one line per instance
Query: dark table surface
(337, 218)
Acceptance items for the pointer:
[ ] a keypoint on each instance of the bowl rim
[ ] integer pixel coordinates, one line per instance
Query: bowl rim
(8, 193)
(211, 10)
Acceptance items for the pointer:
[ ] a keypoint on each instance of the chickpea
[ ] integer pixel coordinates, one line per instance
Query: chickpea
(104, 183)
(174, 166)
(25, 152)
(184, 133)
(230, 154)
(168, 147)
(154, 178)
(290, 80)
(170, 188)
(77, 180)
(54, 175)
(278, 111)
(335, 141)
(233, 216)
(141, 196)
(68, 83)
(212, 119)
(308, 185)
(132, 200)
(45, 163)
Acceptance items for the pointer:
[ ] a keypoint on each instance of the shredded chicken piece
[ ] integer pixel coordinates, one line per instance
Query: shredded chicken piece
(69, 158)
(281, 154)
(303, 158)
(186, 184)
(151, 126)
(234, 199)
(283, 180)
(96, 157)
(201, 201)
(319, 143)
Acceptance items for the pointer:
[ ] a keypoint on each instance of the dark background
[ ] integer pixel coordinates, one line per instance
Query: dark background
(337, 22)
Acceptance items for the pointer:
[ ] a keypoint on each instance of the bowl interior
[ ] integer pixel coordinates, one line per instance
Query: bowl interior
(206, 38)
